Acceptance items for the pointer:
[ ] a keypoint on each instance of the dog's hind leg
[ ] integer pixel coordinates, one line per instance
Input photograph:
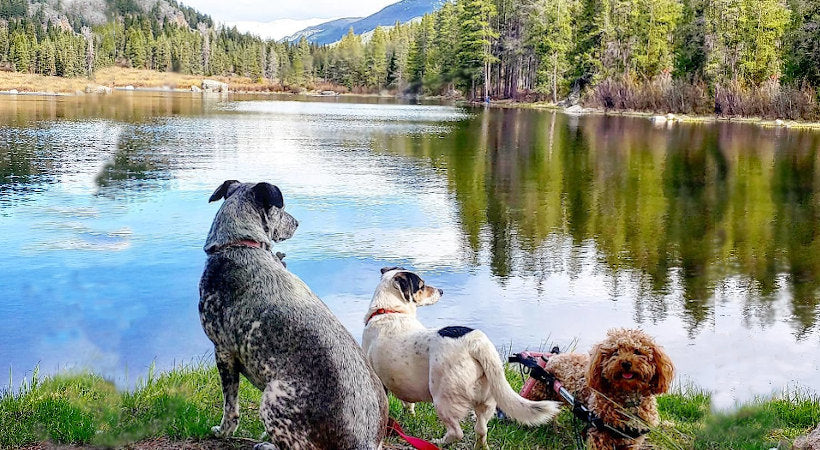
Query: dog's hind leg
(483, 414)
(283, 416)
(229, 376)
(450, 414)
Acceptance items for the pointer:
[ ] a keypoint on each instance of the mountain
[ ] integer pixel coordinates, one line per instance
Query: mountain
(332, 28)
(403, 11)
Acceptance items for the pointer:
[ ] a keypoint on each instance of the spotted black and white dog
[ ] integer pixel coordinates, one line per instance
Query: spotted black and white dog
(456, 368)
(319, 392)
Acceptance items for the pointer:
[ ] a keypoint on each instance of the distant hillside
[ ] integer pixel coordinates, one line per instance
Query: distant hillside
(331, 28)
(78, 13)
(403, 11)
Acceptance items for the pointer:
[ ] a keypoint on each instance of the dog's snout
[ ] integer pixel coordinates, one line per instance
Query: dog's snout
(441, 292)
(626, 365)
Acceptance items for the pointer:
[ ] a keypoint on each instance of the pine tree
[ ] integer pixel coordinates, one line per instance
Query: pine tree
(46, 60)
(475, 35)
(445, 43)
(305, 61)
(135, 47)
(20, 52)
(550, 34)
(181, 54)
(162, 56)
(66, 62)
(399, 47)
(376, 59)
(219, 62)
(421, 51)
(690, 40)
(349, 62)
(802, 56)
(4, 41)
(591, 29)
(763, 25)
(13, 9)
(655, 26)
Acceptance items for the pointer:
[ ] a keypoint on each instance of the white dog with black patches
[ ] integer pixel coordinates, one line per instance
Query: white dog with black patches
(456, 368)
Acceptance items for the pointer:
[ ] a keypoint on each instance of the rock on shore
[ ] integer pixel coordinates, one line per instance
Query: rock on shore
(214, 86)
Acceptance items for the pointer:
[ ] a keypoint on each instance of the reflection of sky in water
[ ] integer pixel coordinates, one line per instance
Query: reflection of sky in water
(103, 246)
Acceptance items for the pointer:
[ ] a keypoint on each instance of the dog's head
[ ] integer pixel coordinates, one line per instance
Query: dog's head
(408, 287)
(253, 211)
(629, 361)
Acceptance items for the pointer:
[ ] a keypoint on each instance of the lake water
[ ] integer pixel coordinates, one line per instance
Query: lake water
(542, 228)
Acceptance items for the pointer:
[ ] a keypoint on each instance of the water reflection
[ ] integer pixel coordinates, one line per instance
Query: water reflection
(135, 161)
(689, 207)
(539, 226)
(23, 110)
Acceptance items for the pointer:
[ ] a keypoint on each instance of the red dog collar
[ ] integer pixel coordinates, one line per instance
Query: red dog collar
(379, 312)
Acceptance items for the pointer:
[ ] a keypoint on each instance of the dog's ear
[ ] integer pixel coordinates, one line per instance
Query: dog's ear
(664, 371)
(388, 269)
(407, 283)
(595, 369)
(268, 195)
(222, 191)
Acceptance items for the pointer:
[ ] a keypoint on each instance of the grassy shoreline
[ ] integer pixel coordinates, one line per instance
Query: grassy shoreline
(182, 404)
(142, 79)
(677, 118)
(120, 77)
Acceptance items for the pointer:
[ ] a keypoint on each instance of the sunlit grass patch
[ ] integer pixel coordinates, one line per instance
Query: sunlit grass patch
(184, 403)
(761, 424)
(86, 409)
(66, 409)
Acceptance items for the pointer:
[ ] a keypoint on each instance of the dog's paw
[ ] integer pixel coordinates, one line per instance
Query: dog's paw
(442, 442)
(265, 446)
(218, 432)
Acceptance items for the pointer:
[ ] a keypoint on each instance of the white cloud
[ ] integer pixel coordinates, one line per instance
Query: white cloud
(263, 11)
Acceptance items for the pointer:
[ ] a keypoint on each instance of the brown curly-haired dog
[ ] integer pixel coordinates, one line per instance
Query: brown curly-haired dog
(618, 381)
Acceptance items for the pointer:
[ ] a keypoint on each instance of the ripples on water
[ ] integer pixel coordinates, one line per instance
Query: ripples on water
(541, 228)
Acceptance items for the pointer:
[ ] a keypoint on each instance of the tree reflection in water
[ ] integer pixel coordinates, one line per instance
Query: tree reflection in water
(689, 211)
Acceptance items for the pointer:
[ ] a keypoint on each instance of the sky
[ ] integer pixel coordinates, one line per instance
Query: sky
(279, 18)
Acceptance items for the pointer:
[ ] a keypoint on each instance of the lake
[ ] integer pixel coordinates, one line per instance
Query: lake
(542, 228)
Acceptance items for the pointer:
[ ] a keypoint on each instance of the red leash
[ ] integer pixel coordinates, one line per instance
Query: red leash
(530, 383)
(417, 443)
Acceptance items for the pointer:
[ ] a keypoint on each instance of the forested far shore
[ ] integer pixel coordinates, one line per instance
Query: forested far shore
(725, 57)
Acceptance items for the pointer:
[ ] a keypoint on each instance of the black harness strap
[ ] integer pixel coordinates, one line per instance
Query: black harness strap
(579, 410)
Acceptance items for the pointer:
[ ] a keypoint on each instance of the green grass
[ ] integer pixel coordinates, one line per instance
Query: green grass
(85, 409)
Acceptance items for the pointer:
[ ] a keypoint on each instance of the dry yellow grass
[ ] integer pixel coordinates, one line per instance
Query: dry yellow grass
(120, 77)
(26, 82)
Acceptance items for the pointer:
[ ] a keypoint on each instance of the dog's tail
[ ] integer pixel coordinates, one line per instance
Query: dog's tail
(518, 408)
